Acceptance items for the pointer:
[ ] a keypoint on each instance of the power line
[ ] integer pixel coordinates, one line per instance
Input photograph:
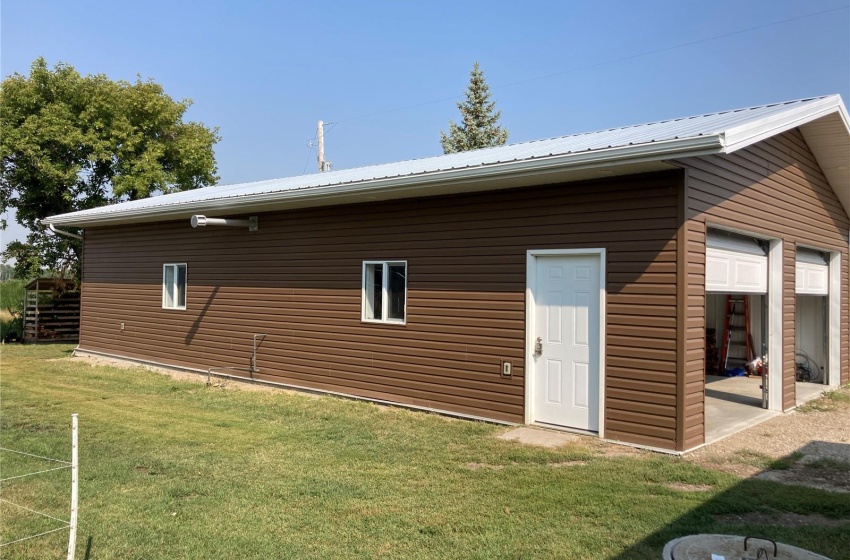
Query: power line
(672, 47)
(603, 63)
(309, 153)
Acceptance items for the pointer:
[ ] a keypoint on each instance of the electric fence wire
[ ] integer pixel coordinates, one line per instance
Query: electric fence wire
(2, 480)
(71, 524)
(34, 536)
(4, 500)
(65, 524)
(33, 455)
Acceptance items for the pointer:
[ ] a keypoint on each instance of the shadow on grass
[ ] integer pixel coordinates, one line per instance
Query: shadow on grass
(809, 518)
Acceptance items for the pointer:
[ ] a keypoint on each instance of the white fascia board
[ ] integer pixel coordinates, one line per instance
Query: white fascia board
(747, 134)
(406, 186)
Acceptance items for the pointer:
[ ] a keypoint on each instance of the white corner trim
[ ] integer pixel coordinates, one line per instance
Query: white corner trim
(530, 282)
(834, 347)
(775, 298)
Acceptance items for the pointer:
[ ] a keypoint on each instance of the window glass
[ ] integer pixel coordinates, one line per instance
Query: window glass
(180, 285)
(168, 286)
(384, 291)
(174, 286)
(395, 290)
(374, 290)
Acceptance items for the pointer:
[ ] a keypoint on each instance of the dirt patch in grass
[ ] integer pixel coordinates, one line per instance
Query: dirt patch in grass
(188, 376)
(831, 479)
(608, 449)
(558, 465)
(780, 519)
(682, 487)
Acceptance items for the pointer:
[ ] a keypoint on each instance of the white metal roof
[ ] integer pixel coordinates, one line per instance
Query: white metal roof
(643, 147)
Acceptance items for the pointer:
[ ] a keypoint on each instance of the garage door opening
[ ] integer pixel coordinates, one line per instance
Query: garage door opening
(812, 325)
(736, 345)
(737, 335)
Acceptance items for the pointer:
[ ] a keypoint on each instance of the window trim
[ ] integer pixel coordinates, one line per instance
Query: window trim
(185, 294)
(385, 319)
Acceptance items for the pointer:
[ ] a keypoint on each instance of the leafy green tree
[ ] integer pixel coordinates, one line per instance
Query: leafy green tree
(480, 128)
(71, 142)
(7, 272)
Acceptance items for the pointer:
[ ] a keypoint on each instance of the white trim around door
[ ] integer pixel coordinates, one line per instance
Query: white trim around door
(833, 376)
(532, 257)
(776, 317)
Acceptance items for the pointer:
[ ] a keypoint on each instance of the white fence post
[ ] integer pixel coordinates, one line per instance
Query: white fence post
(75, 467)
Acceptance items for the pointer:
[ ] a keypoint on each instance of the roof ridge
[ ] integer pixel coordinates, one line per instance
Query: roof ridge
(539, 140)
(653, 141)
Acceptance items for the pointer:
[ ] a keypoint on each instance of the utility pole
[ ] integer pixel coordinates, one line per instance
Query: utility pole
(320, 135)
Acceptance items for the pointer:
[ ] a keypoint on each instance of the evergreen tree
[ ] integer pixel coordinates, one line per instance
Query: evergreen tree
(479, 128)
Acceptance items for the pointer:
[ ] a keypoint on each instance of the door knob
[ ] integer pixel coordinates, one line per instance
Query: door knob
(538, 346)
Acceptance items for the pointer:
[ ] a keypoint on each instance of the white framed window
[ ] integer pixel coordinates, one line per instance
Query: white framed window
(385, 291)
(174, 286)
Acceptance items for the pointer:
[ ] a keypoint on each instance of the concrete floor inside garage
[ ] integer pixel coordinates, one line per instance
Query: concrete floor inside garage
(808, 391)
(731, 405)
(734, 403)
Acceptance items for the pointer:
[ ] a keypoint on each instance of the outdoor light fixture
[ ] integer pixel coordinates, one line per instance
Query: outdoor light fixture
(251, 223)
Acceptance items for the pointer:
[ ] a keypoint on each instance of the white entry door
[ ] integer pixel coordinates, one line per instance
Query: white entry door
(566, 340)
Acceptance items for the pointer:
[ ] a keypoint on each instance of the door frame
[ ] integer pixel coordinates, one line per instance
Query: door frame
(833, 360)
(832, 330)
(530, 317)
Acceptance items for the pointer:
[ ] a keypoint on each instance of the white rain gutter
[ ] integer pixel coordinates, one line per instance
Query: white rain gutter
(408, 185)
(63, 232)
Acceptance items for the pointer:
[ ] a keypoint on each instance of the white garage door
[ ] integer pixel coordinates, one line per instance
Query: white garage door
(734, 264)
(812, 273)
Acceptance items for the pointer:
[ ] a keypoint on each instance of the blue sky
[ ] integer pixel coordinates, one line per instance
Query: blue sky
(389, 73)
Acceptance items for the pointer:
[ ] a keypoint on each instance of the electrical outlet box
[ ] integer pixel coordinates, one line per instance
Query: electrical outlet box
(122, 326)
(506, 369)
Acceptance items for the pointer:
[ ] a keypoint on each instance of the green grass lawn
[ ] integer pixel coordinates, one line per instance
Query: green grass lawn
(176, 470)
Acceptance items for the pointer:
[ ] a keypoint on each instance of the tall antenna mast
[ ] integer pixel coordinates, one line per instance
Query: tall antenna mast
(320, 135)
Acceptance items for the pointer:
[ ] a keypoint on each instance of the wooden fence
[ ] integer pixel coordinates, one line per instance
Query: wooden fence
(50, 316)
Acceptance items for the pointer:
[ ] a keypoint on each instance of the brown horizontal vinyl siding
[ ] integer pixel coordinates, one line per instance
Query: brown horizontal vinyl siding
(298, 279)
(694, 332)
(774, 188)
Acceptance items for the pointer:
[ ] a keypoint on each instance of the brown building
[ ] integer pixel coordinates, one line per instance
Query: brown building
(569, 282)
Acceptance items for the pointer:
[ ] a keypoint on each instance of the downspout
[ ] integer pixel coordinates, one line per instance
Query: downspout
(52, 228)
(64, 233)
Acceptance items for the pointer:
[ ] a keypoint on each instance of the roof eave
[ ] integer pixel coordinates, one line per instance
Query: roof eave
(810, 119)
(424, 184)
(745, 135)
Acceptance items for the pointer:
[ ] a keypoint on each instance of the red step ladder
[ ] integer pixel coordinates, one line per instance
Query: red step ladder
(737, 334)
